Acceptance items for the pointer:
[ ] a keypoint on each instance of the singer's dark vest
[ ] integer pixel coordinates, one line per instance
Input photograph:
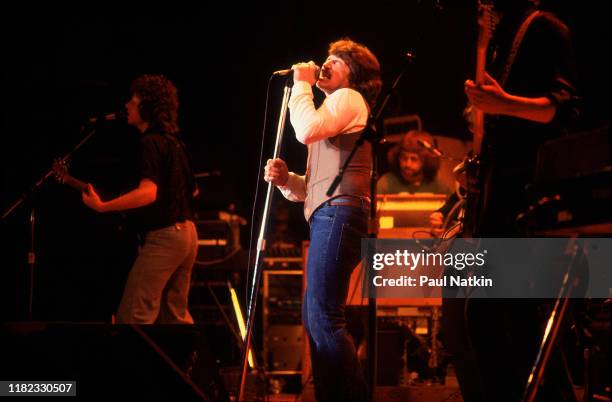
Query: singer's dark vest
(325, 158)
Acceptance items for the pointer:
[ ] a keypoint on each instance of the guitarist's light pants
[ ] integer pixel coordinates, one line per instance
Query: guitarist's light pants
(157, 288)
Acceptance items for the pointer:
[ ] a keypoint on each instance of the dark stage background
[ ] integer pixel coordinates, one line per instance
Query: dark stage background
(62, 64)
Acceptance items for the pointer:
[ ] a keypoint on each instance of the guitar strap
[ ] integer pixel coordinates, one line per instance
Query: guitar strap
(516, 44)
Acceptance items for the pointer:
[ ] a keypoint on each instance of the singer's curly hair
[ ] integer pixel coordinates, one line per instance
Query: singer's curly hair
(431, 163)
(364, 67)
(158, 102)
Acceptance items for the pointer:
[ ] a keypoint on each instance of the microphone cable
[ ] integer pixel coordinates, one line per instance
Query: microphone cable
(261, 149)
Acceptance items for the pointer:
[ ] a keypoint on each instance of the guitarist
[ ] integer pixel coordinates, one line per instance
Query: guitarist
(527, 102)
(158, 284)
(527, 97)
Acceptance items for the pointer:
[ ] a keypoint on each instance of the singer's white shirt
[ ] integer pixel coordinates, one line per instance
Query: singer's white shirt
(344, 111)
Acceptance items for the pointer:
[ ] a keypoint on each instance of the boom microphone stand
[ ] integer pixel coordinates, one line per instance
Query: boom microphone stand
(90, 130)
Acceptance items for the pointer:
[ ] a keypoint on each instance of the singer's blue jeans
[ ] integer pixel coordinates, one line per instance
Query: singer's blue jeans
(335, 249)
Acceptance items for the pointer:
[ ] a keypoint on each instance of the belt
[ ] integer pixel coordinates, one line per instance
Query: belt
(350, 201)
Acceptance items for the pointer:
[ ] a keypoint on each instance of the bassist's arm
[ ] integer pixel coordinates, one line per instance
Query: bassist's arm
(144, 194)
(492, 99)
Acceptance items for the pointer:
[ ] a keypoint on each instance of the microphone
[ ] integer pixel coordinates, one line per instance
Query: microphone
(430, 147)
(207, 174)
(282, 73)
(107, 117)
(410, 56)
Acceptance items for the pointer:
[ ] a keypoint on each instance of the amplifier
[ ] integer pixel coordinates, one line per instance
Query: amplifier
(407, 210)
(578, 155)
(283, 332)
(573, 186)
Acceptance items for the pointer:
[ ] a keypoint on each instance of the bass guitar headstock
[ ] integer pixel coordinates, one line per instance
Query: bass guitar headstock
(487, 21)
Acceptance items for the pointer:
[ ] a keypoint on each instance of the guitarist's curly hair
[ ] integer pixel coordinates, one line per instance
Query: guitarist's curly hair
(158, 102)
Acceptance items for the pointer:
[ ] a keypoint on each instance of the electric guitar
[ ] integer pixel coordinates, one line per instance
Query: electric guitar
(122, 221)
(487, 20)
(471, 167)
(60, 171)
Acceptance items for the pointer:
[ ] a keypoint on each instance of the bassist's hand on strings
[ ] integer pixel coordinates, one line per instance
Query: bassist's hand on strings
(492, 99)
(488, 97)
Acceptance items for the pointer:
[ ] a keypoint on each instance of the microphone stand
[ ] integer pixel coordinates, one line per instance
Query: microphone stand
(372, 135)
(32, 218)
(436, 151)
(261, 242)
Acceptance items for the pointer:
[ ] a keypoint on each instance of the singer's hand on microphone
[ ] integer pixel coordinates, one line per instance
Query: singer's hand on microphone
(308, 72)
(276, 172)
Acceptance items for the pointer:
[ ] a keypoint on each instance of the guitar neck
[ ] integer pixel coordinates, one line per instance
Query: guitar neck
(478, 115)
(481, 61)
(75, 183)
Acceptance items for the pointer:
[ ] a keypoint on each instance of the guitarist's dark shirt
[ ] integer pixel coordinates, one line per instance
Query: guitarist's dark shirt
(543, 67)
(165, 161)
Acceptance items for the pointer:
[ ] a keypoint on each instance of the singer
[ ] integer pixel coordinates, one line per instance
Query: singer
(158, 284)
(350, 79)
(414, 168)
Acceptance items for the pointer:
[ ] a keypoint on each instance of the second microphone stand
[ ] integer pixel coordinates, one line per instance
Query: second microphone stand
(32, 216)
